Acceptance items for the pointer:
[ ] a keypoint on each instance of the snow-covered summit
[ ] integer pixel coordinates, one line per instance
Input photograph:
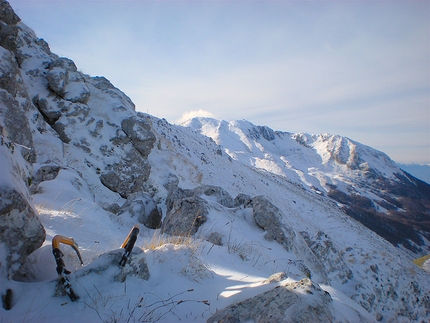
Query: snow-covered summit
(364, 179)
(293, 152)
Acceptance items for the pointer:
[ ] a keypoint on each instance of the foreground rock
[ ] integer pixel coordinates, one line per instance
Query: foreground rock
(301, 301)
(21, 231)
(140, 205)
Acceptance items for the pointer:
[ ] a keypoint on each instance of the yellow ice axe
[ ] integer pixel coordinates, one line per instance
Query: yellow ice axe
(128, 244)
(59, 255)
(61, 267)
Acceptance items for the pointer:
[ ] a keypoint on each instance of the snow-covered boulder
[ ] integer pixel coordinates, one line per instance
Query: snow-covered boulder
(143, 207)
(301, 301)
(140, 134)
(176, 194)
(242, 200)
(64, 80)
(107, 266)
(187, 209)
(218, 193)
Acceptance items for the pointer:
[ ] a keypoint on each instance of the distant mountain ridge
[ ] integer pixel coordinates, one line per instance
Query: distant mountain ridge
(368, 185)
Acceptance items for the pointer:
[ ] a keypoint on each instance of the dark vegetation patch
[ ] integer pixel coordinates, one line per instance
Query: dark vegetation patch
(407, 201)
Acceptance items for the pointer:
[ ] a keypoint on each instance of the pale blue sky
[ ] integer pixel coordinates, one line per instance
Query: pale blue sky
(354, 68)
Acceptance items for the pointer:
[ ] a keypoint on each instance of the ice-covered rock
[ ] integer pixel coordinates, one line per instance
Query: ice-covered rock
(218, 193)
(143, 207)
(107, 264)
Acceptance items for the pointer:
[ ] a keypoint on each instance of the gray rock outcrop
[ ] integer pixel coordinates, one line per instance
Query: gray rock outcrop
(136, 140)
(176, 194)
(186, 216)
(221, 195)
(268, 216)
(140, 134)
(242, 200)
(187, 209)
(301, 301)
(21, 231)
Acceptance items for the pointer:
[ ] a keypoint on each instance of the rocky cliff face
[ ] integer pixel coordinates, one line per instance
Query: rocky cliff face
(54, 117)
(20, 229)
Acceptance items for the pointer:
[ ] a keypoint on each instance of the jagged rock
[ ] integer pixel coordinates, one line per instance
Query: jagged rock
(46, 172)
(140, 134)
(142, 206)
(243, 199)
(215, 238)
(66, 82)
(267, 216)
(10, 79)
(49, 112)
(13, 125)
(176, 194)
(104, 85)
(64, 63)
(221, 195)
(58, 75)
(21, 231)
(57, 80)
(172, 182)
(186, 216)
(20, 228)
(187, 210)
(8, 29)
(258, 131)
(77, 92)
(277, 277)
(60, 129)
(127, 177)
(301, 301)
(7, 15)
(328, 255)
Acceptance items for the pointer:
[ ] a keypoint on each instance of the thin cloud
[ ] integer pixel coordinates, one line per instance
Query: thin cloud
(192, 114)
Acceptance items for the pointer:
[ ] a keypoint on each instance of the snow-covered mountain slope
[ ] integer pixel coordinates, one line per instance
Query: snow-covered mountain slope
(370, 186)
(86, 165)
